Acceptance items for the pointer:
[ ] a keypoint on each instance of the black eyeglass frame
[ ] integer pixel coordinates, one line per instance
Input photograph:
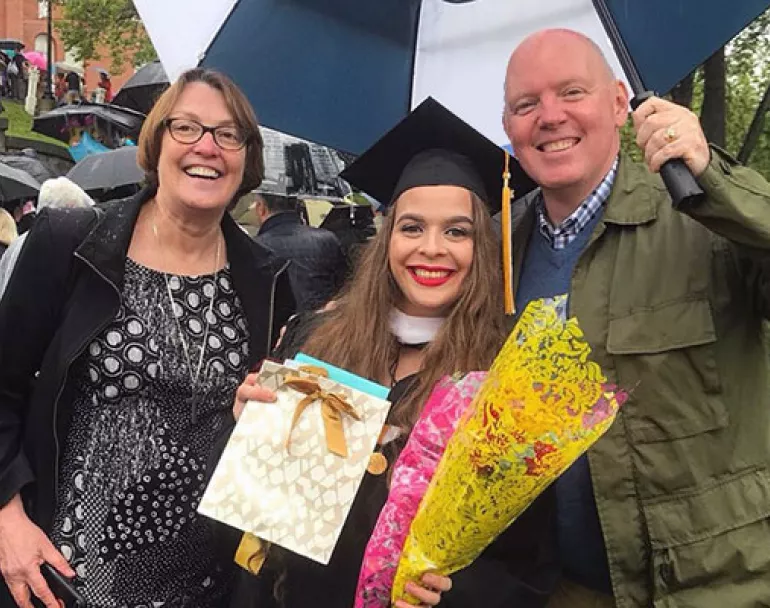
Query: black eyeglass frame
(168, 123)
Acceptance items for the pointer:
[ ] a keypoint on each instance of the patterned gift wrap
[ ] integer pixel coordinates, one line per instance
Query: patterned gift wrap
(297, 495)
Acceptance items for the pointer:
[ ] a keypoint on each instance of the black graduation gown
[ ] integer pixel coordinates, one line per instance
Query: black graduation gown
(518, 570)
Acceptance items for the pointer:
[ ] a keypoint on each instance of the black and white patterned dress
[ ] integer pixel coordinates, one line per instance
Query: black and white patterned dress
(135, 457)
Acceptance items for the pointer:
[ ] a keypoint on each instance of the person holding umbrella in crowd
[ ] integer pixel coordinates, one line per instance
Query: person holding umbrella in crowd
(670, 507)
(73, 87)
(13, 74)
(125, 334)
(318, 266)
(60, 88)
(4, 61)
(106, 84)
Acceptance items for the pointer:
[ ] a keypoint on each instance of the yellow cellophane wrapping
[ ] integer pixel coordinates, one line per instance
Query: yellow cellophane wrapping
(542, 405)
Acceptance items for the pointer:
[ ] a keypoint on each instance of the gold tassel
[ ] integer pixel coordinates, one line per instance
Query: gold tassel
(507, 239)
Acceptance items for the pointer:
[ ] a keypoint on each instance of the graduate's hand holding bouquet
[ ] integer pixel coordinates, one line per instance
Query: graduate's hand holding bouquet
(483, 449)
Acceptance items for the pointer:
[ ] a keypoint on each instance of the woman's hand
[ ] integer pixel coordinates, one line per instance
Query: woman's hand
(251, 391)
(23, 549)
(428, 591)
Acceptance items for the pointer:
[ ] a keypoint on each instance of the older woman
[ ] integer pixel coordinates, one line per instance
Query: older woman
(125, 334)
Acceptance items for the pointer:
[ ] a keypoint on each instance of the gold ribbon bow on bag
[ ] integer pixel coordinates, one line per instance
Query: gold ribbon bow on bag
(333, 407)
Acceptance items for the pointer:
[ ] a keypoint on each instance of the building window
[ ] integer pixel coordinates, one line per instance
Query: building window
(41, 44)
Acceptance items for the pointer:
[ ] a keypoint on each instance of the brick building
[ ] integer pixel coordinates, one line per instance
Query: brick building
(25, 20)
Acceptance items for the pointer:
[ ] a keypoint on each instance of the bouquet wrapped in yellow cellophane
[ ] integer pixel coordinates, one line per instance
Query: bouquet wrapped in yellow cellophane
(542, 405)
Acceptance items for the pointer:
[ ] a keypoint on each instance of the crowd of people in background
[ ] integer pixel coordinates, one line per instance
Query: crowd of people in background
(69, 86)
(14, 74)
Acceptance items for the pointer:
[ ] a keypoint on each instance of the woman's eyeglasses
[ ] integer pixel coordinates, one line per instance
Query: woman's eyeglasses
(188, 131)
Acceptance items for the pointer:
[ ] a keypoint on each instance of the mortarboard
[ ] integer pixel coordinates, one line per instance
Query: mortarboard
(433, 147)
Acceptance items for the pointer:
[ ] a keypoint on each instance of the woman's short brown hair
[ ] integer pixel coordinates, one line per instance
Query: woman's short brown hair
(151, 136)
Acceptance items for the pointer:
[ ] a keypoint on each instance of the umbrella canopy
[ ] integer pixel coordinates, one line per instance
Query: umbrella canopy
(57, 122)
(108, 170)
(342, 72)
(63, 66)
(11, 44)
(667, 39)
(143, 88)
(16, 184)
(37, 59)
(27, 163)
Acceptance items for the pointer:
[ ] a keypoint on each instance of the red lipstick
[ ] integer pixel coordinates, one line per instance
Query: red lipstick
(440, 275)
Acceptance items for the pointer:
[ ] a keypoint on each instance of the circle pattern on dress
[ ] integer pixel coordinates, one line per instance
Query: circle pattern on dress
(134, 464)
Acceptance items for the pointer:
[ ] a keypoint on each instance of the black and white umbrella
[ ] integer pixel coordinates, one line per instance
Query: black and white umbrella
(343, 72)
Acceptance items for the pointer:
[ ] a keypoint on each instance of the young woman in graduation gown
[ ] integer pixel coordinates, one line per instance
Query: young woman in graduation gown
(425, 301)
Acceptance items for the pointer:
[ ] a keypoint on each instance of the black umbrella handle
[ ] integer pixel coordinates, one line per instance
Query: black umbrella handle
(680, 182)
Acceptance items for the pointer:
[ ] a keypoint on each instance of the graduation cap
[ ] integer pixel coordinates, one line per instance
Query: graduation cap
(433, 147)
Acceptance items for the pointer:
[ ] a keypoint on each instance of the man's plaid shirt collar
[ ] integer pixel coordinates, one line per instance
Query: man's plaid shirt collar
(563, 234)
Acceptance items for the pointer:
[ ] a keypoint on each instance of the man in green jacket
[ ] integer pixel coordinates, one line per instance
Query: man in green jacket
(672, 507)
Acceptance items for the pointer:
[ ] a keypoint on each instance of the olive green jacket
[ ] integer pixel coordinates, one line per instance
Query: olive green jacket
(672, 305)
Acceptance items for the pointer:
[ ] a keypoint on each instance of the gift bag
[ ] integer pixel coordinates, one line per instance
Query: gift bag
(291, 469)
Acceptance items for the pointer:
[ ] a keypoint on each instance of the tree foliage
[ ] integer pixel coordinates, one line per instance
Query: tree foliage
(746, 82)
(93, 28)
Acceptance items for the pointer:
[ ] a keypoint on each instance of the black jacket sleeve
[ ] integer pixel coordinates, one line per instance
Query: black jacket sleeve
(519, 569)
(30, 310)
(341, 266)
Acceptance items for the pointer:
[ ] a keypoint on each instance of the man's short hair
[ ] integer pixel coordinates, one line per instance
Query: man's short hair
(278, 203)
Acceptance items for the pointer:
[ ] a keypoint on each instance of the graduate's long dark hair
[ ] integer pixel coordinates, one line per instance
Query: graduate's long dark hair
(356, 335)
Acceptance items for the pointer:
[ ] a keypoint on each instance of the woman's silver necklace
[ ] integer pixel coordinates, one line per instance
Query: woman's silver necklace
(194, 376)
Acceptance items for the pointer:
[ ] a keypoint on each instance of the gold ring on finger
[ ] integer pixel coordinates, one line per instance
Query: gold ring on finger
(670, 134)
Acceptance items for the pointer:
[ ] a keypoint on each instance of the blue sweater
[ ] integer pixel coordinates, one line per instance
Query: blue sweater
(547, 272)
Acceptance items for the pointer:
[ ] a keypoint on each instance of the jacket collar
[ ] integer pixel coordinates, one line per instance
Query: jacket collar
(106, 247)
(282, 218)
(522, 232)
